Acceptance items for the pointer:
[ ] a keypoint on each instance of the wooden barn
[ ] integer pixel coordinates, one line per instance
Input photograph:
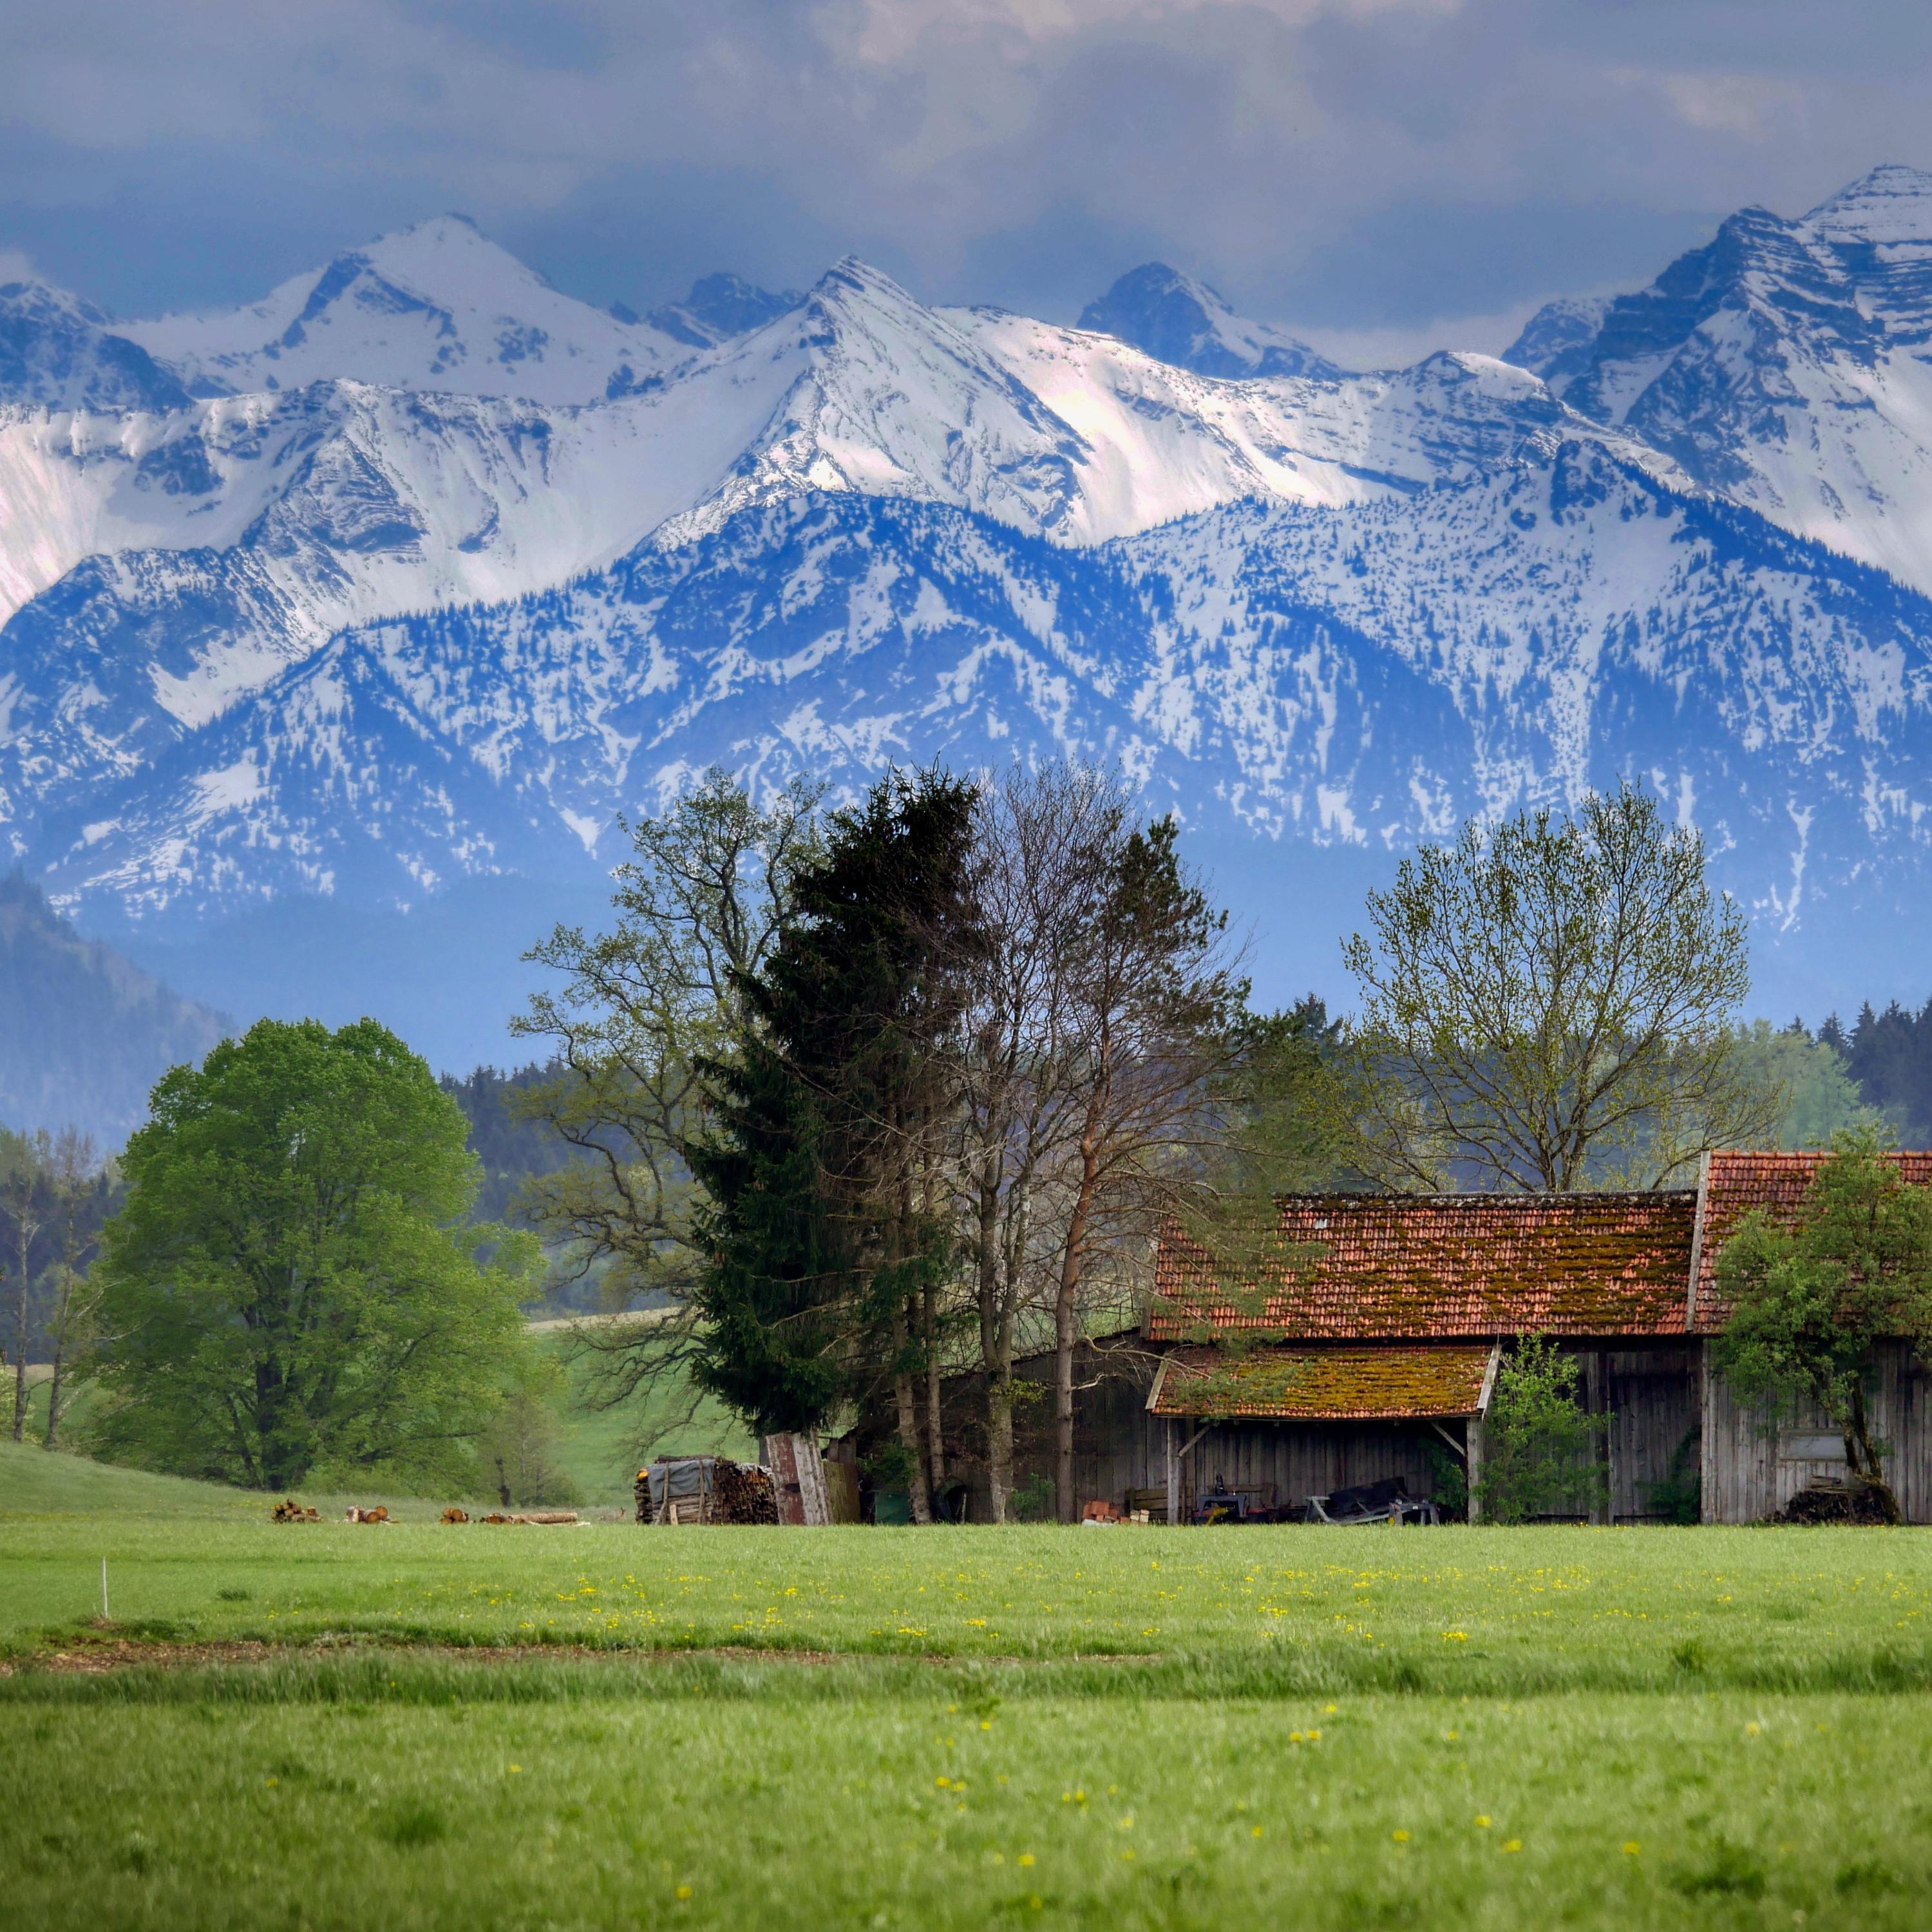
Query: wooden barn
(1391, 1324)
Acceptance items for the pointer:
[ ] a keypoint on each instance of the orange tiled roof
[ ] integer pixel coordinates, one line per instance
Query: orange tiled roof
(1407, 1267)
(1324, 1385)
(1734, 1183)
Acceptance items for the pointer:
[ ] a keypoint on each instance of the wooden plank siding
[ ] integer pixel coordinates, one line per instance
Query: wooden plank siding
(1752, 1470)
(1657, 1394)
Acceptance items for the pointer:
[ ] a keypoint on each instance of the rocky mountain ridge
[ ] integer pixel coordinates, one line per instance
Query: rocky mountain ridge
(417, 621)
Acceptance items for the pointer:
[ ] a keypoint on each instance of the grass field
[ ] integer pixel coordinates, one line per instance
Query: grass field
(431, 1726)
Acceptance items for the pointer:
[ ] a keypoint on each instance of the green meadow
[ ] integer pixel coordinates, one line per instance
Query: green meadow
(430, 1725)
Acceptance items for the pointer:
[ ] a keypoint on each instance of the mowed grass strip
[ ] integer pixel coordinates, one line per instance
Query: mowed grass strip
(940, 1811)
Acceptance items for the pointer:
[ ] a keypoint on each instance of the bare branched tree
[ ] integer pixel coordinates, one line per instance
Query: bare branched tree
(1548, 1004)
(641, 1009)
(74, 1170)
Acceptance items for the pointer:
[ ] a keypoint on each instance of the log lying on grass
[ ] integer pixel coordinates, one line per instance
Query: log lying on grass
(532, 1515)
(378, 1514)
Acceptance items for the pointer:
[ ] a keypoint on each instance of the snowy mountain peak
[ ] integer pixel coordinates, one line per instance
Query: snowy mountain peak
(59, 352)
(1892, 204)
(1179, 319)
(1555, 341)
(436, 306)
(719, 309)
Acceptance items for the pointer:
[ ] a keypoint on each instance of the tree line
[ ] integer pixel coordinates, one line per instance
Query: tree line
(869, 1096)
(853, 1098)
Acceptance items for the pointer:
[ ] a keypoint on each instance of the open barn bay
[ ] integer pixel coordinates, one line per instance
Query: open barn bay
(462, 1725)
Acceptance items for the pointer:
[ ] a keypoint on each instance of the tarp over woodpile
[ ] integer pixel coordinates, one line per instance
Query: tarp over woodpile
(1326, 1384)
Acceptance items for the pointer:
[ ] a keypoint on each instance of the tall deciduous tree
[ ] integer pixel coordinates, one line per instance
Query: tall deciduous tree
(643, 1014)
(23, 1191)
(1810, 1302)
(77, 1177)
(1547, 1004)
(1149, 1003)
(288, 1284)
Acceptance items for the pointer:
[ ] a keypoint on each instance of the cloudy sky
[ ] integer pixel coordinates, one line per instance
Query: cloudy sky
(1386, 174)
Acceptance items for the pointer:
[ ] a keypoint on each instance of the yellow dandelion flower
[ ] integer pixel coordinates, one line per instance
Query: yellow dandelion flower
(1026, 1858)
(1514, 1845)
(1631, 1848)
(1482, 1821)
(1400, 1837)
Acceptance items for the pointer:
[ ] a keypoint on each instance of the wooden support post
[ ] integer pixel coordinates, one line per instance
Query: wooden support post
(1472, 1459)
(1173, 1478)
(1593, 1387)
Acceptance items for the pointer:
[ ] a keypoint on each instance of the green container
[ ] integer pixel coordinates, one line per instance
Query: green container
(892, 1506)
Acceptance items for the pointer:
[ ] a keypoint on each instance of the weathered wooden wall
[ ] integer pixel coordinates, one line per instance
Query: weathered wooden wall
(1652, 1396)
(1752, 1471)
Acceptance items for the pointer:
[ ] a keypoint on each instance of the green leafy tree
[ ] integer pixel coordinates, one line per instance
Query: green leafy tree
(1539, 1441)
(1810, 1302)
(519, 1449)
(1821, 1099)
(288, 1286)
(1547, 1004)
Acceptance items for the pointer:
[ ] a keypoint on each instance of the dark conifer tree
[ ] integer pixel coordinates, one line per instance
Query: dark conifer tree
(828, 1236)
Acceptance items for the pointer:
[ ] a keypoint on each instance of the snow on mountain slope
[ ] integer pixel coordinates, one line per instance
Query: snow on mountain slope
(1786, 364)
(1364, 675)
(193, 558)
(59, 352)
(1074, 435)
(436, 307)
(179, 563)
(1179, 319)
(718, 308)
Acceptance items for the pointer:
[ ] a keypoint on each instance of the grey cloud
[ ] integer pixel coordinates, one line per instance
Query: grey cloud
(1351, 164)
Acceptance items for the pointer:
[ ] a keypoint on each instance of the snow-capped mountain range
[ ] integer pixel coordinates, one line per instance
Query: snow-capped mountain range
(397, 586)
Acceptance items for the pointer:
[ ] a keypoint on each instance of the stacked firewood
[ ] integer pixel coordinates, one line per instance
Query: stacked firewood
(288, 1511)
(742, 1493)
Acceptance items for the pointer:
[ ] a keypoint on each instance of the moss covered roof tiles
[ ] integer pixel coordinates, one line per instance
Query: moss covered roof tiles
(1361, 1267)
(1734, 1183)
(1334, 1384)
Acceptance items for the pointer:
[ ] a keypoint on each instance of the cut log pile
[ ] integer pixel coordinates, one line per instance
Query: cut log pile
(454, 1515)
(288, 1511)
(378, 1514)
(1836, 1502)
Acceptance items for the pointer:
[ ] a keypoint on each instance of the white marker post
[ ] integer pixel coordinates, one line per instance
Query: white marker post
(103, 1589)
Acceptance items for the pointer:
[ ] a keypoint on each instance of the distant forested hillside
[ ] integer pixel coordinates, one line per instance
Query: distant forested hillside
(510, 1148)
(84, 1033)
(1889, 1054)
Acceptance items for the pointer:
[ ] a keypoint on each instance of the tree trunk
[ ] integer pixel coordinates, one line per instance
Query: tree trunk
(1864, 1458)
(935, 1425)
(1067, 1333)
(910, 1433)
(20, 1343)
(63, 1308)
(997, 1364)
